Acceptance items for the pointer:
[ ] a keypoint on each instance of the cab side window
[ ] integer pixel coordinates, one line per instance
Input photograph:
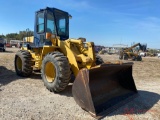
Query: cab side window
(40, 22)
(62, 26)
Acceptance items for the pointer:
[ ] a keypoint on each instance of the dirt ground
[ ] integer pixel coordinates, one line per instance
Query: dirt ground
(28, 99)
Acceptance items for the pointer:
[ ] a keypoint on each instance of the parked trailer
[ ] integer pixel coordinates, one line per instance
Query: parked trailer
(15, 43)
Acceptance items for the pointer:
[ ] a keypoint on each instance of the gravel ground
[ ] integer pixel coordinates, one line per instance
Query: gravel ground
(28, 99)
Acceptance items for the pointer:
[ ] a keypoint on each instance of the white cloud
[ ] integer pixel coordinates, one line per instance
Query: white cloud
(149, 24)
(74, 4)
(153, 19)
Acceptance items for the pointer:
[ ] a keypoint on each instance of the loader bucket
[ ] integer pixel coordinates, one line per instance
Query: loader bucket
(103, 89)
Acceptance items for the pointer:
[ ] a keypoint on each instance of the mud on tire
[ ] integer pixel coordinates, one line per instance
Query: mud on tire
(23, 63)
(62, 71)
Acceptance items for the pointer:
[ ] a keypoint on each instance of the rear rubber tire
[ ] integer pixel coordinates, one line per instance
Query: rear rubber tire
(62, 71)
(24, 58)
(134, 58)
(99, 60)
(125, 57)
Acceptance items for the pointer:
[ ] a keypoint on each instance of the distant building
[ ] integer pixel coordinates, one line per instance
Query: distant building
(119, 46)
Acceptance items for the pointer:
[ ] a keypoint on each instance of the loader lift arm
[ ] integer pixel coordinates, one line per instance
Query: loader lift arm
(130, 48)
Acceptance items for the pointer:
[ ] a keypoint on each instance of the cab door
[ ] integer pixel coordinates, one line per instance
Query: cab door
(39, 30)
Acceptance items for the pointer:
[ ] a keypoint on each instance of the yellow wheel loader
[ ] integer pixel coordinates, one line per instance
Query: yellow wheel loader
(127, 53)
(98, 87)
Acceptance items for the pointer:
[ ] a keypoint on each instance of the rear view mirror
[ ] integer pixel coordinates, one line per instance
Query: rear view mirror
(70, 16)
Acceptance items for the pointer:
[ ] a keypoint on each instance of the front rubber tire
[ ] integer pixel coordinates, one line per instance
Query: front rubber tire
(23, 63)
(58, 75)
(4, 50)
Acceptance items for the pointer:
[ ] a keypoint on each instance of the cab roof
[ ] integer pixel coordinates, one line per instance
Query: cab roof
(52, 10)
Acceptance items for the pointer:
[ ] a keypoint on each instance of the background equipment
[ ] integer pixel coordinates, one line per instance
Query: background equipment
(127, 53)
(2, 44)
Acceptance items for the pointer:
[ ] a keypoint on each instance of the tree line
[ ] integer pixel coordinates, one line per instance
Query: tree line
(17, 36)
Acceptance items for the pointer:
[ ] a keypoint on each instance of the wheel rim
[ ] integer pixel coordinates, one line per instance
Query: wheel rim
(50, 72)
(19, 63)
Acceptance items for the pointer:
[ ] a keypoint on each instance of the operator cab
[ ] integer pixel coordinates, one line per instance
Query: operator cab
(50, 20)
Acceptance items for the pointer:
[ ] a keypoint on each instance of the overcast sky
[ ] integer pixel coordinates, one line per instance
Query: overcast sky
(105, 22)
